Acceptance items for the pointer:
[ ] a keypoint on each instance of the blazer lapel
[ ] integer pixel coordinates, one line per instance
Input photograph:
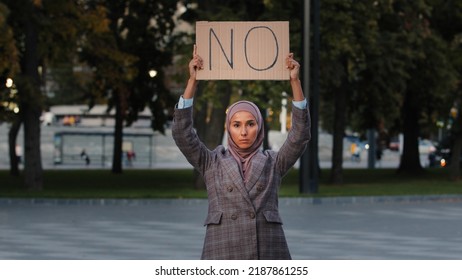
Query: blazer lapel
(231, 167)
(256, 169)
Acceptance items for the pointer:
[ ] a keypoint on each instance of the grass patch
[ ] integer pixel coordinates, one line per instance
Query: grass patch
(178, 184)
(380, 182)
(104, 184)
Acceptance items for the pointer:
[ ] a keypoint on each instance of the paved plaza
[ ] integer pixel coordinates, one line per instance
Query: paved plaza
(326, 229)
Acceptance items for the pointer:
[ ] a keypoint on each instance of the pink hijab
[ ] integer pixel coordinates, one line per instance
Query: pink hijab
(244, 156)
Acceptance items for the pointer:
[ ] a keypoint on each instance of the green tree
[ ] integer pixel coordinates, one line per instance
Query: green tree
(428, 74)
(385, 56)
(138, 39)
(113, 70)
(447, 21)
(24, 19)
(46, 33)
(350, 37)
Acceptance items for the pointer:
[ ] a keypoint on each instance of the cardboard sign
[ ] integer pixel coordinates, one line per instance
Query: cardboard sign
(243, 50)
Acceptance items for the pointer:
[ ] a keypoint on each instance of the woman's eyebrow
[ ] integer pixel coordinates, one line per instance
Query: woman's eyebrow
(245, 121)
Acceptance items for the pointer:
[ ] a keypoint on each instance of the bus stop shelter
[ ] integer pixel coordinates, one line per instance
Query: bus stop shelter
(70, 147)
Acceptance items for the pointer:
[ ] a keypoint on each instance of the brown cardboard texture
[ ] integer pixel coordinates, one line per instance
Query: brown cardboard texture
(247, 50)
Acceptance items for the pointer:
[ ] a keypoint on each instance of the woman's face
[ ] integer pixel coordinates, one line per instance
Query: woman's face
(243, 128)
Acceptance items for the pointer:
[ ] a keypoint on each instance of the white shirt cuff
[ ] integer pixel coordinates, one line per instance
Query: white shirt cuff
(300, 104)
(185, 103)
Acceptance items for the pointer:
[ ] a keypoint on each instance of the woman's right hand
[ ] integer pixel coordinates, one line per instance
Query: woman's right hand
(195, 64)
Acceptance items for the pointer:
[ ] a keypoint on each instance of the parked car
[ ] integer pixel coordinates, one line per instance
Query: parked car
(394, 146)
(425, 146)
(442, 158)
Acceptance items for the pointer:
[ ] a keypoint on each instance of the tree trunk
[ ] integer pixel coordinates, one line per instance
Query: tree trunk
(410, 159)
(456, 149)
(215, 127)
(455, 158)
(336, 176)
(30, 105)
(32, 156)
(12, 136)
(118, 132)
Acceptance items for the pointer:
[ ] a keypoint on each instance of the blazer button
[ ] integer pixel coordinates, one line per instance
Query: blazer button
(230, 189)
(252, 215)
(259, 188)
(233, 216)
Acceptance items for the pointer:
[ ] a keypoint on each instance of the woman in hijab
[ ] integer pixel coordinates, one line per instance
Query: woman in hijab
(245, 133)
(243, 181)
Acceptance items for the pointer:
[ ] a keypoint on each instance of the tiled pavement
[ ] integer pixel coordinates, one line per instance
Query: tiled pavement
(345, 228)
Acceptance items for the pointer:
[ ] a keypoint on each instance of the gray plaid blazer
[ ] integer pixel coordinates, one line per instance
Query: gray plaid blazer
(243, 220)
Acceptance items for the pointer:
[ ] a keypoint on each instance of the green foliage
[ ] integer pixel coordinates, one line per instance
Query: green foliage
(60, 29)
(9, 60)
(391, 47)
(132, 38)
(9, 66)
(111, 67)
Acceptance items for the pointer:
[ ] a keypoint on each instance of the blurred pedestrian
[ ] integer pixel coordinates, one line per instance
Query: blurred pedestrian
(130, 157)
(85, 157)
(355, 151)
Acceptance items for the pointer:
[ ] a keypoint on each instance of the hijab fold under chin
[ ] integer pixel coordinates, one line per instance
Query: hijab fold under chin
(244, 156)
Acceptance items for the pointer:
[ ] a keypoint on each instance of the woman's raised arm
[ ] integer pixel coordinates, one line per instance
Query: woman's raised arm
(295, 83)
(195, 65)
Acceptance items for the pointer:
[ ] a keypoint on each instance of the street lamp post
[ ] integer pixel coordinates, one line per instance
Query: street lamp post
(309, 162)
